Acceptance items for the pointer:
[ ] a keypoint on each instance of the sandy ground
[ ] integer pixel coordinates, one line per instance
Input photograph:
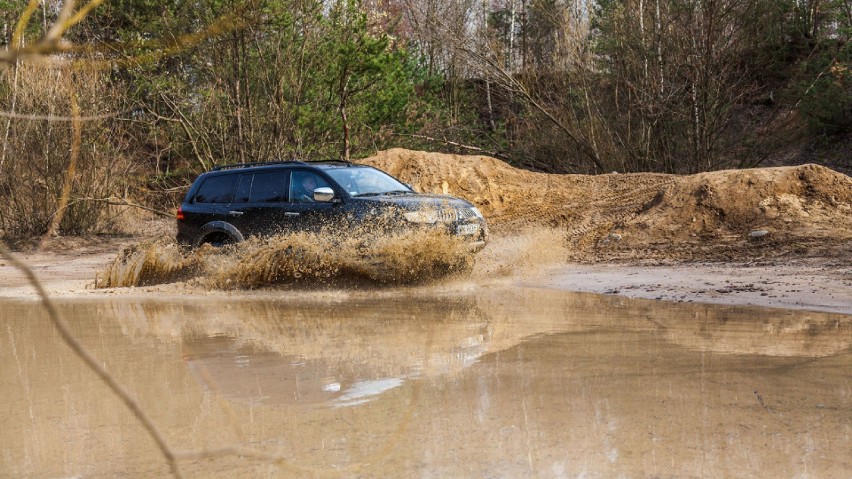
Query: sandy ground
(776, 237)
(813, 284)
(68, 269)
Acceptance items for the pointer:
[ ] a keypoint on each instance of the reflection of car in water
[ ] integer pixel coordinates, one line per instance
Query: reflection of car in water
(264, 378)
(305, 353)
(233, 202)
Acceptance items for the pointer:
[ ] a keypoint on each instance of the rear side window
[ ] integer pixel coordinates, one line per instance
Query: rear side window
(269, 187)
(216, 189)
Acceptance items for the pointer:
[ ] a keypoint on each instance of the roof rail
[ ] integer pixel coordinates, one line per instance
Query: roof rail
(335, 162)
(259, 163)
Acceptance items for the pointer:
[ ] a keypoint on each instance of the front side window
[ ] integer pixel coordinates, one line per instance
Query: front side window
(216, 189)
(303, 184)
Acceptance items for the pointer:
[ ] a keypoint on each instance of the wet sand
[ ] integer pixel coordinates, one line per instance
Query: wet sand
(817, 284)
(807, 284)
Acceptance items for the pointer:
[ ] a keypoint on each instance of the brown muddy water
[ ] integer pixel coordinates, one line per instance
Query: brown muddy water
(501, 382)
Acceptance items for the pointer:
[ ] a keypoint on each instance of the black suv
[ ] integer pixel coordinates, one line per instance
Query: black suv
(233, 202)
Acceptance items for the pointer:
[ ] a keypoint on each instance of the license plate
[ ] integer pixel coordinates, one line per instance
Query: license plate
(466, 230)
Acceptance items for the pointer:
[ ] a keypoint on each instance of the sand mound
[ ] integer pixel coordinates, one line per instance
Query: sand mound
(734, 214)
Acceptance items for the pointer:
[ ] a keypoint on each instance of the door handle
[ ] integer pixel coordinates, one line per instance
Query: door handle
(236, 213)
(291, 213)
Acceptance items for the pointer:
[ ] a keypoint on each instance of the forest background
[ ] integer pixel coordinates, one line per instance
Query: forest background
(124, 102)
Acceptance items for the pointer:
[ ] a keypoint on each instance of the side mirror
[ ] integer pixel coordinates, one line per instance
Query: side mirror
(323, 194)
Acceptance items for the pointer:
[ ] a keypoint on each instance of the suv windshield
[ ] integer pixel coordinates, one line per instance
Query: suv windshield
(366, 181)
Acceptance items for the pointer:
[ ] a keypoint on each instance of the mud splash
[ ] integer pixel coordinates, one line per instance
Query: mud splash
(293, 259)
(149, 263)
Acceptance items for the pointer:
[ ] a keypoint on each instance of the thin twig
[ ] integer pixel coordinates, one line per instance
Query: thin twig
(93, 363)
(495, 154)
(48, 50)
(114, 201)
(23, 116)
(61, 25)
(9, 121)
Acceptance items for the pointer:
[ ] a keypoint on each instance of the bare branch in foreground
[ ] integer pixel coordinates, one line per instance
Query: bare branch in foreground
(93, 364)
(50, 49)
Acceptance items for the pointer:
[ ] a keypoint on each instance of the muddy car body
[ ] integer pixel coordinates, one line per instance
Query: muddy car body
(234, 202)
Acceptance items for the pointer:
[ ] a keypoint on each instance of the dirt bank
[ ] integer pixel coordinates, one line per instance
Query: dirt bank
(734, 215)
(773, 237)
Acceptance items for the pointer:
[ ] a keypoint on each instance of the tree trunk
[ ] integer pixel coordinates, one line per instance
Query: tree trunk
(490, 108)
(236, 87)
(345, 120)
(509, 59)
(76, 140)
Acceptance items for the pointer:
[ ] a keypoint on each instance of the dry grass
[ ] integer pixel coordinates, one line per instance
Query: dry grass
(35, 175)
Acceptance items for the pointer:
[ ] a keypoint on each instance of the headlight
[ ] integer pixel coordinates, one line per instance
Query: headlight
(468, 213)
(421, 216)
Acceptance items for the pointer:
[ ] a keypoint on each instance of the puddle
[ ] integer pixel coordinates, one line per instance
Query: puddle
(516, 382)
